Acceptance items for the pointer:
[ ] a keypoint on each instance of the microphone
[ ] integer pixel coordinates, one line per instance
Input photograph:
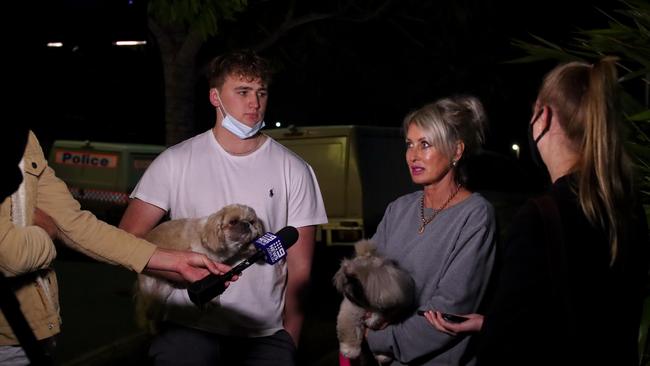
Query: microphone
(271, 247)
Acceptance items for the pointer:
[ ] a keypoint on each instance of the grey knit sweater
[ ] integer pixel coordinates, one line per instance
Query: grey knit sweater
(450, 263)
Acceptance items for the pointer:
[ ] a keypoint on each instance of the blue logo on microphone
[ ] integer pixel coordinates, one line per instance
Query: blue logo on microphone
(272, 247)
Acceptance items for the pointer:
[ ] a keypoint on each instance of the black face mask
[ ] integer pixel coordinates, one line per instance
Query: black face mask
(532, 142)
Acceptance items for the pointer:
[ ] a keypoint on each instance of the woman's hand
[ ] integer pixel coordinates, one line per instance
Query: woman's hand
(474, 323)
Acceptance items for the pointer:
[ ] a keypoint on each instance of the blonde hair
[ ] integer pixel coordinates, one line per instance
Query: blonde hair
(449, 120)
(585, 99)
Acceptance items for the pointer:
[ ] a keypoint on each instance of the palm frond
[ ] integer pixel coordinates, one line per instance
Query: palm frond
(627, 36)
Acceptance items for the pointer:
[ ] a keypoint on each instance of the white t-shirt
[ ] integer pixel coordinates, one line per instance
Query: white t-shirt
(197, 178)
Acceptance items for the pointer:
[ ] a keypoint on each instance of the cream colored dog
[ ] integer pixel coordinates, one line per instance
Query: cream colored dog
(225, 236)
(376, 291)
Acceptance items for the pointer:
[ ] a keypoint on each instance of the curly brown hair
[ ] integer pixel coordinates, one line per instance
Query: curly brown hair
(243, 63)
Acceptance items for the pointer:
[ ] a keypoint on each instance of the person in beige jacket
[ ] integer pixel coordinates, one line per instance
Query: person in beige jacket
(43, 209)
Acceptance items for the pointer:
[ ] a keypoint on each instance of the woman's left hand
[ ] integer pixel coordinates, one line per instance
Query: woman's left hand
(474, 323)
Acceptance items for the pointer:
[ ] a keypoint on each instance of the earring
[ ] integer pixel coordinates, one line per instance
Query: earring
(453, 163)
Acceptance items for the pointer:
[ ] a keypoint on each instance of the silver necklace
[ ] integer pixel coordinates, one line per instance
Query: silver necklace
(426, 220)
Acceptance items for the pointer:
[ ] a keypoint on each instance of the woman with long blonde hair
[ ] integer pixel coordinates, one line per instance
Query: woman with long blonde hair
(575, 267)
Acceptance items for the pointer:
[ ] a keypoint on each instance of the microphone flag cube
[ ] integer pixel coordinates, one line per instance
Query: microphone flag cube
(272, 247)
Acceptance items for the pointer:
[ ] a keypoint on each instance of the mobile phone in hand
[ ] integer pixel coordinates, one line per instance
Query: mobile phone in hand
(448, 317)
(453, 318)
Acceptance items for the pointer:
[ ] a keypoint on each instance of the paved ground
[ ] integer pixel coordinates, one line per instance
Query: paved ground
(97, 312)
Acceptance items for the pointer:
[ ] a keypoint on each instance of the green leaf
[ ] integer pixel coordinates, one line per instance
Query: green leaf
(643, 116)
(627, 36)
(549, 44)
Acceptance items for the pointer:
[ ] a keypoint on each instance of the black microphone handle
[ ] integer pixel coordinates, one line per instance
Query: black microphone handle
(243, 265)
(212, 285)
(207, 288)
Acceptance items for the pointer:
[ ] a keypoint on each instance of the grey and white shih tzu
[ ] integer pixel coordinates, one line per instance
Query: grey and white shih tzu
(375, 291)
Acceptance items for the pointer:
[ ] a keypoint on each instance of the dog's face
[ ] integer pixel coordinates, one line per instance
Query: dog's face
(358, 275)
(373, 282)
(230, 231)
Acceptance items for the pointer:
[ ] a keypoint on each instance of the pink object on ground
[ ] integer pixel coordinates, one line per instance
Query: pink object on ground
(344, 361)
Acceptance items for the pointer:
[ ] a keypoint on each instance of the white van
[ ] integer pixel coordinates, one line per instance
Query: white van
(360, 170)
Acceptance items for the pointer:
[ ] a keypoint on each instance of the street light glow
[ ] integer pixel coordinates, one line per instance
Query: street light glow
(129, 43)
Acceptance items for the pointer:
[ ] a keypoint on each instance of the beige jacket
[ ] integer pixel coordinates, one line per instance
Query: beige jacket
(26, 251)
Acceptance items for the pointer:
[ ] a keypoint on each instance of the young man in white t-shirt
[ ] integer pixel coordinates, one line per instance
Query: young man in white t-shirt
(257, 320)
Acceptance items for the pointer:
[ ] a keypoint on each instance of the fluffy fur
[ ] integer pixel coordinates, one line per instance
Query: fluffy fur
(370, 284)
(224, 236)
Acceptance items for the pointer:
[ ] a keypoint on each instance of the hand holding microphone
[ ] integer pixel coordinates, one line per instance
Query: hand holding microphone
(271, 247)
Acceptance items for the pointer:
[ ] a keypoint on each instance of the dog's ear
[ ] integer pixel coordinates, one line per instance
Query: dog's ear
(258, 226)
(339, 280)
(347, 282)
(389, 286)
(212, 231)
(355, 292)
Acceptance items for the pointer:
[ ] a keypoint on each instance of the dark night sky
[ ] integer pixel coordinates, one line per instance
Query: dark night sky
(330, 72)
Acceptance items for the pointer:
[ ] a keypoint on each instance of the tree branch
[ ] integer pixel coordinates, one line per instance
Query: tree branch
(288, 25)
(368, 15)
(406, 34)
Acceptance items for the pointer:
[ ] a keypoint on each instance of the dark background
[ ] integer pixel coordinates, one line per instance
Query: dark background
(333, 71)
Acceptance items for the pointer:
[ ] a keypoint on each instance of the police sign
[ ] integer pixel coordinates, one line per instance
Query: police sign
(86, 159)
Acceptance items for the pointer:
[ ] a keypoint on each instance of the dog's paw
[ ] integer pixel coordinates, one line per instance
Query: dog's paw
(383, 359)
(374, 321)
(349, 351)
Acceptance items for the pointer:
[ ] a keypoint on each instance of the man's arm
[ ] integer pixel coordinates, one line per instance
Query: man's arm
(299, 261)
(140, 217)
(178, 266)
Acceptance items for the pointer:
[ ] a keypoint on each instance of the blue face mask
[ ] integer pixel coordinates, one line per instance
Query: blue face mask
(238, 128)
